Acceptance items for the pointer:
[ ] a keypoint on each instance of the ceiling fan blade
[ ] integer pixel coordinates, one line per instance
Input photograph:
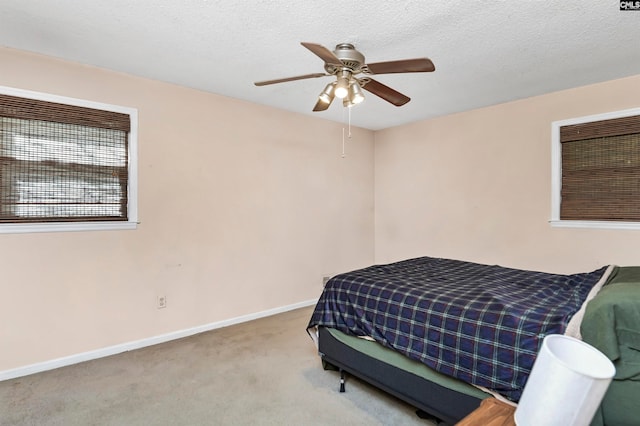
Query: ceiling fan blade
(384, 92)
(282, 80)
(323, 53)
(404, 65)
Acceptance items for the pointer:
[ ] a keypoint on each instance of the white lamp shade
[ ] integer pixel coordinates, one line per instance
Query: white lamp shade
(567, 383)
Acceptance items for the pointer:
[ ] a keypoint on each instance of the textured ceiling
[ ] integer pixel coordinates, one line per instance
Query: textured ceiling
(485, 51)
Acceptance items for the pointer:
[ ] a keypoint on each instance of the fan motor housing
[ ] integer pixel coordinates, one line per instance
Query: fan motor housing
(349, 56)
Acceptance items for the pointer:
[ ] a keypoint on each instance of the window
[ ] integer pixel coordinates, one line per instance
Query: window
(65, 164)
(596, 171)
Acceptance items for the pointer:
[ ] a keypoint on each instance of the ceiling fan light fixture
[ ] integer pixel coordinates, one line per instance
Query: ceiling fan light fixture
(342, 85)
(328, 93)
(342, 90)
(345, 63)
(355, 93)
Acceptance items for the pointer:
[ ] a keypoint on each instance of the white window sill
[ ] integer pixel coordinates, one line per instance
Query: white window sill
(594, 224)
(66, 227)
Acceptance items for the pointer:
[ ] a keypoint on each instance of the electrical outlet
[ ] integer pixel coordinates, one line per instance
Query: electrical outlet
(162, 302)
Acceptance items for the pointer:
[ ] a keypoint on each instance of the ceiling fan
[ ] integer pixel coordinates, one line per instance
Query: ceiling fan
(345, 63)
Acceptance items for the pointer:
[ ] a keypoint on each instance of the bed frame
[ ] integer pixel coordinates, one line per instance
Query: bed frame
(432, 400)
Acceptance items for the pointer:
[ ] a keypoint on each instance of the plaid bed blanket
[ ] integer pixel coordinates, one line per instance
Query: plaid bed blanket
(483, 324)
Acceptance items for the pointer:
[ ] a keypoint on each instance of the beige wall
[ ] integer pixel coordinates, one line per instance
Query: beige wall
(476, 186)
(241, 209)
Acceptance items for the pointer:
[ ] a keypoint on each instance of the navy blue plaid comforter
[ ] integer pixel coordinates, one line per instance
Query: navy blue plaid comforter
(482, 324)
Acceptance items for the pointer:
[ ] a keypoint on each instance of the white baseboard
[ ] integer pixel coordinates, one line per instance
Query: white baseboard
(129, 346)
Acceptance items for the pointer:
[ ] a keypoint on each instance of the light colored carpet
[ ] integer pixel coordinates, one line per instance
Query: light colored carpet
(263, 372)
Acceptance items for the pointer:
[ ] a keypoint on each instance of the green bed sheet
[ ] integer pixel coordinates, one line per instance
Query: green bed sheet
(612, 325)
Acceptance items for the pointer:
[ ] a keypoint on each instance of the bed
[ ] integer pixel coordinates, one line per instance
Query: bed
(444, 334)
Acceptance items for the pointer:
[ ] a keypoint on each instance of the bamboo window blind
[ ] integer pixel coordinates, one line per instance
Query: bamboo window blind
(601, 170)
(62, 163)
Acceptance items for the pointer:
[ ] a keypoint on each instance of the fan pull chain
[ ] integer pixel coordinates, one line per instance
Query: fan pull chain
(349, 135)
(343, 154)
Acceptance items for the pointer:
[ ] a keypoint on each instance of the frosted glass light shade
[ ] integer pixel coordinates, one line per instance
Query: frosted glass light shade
(355, 93)
(327, 94)
(342, 88)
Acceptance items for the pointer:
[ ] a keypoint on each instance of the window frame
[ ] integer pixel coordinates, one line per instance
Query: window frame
(556, 174)
(132, 184)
